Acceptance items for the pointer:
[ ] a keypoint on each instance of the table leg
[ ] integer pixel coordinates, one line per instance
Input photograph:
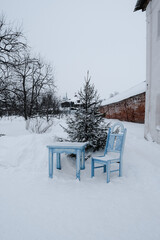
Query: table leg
(50, 162)
(92, 167)
(78, 158)
(83, 160)
(58, 158)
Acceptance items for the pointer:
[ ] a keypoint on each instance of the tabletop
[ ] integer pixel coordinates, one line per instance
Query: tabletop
(75, 145)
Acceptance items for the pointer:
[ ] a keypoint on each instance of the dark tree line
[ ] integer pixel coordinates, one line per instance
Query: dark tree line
(26, 82)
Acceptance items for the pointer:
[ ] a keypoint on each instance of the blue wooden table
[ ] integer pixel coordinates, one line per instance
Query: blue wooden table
(67, 147)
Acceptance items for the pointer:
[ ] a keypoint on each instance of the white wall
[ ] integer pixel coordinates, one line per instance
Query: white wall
(152, 116)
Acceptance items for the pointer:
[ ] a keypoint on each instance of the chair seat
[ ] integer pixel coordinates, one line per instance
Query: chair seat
(108, 156)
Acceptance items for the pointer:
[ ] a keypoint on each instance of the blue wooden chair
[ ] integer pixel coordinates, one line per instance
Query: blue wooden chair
(113, 151)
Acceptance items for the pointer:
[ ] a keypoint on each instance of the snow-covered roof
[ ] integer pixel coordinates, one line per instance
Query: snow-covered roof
(75, 99)
(139, 88)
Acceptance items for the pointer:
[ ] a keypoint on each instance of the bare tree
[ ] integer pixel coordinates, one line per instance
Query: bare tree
(42, 82)
(50, 105)
(23, 79)
(12, 42)
(32, 77)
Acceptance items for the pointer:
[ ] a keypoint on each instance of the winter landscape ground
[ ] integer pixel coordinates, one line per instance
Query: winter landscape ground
(34, 207)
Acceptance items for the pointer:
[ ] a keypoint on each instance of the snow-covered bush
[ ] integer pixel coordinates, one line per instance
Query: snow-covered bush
(39, 125)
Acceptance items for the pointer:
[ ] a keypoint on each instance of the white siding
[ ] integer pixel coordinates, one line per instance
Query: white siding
(152, 117)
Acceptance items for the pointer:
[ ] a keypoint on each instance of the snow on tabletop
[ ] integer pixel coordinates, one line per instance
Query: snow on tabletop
(139, 88)
(67, 144)
(33, 206)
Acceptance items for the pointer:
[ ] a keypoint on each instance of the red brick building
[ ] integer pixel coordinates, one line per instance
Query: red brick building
(127, 106)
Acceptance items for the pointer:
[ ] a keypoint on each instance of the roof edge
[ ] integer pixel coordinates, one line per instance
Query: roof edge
(141, 5)
(131, 92)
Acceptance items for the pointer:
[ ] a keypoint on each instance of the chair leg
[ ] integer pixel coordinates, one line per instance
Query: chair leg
(108, 171)
(104, 168)
(120, 169)
(92, 167)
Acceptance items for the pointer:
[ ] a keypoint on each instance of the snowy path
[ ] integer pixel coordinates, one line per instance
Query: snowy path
(34, 207)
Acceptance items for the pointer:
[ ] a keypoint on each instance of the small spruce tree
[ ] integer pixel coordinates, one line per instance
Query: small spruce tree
(87, 123)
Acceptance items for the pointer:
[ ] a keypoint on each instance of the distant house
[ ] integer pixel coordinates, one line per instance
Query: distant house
(152, 112)
(127, 106)
(70, 104)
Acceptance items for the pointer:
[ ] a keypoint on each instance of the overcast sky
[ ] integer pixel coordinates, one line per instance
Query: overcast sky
(103, 36)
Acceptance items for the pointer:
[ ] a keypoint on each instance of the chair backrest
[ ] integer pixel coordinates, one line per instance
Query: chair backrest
(115, 138)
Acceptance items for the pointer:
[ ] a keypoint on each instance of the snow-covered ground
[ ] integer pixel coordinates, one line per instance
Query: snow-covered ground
(34, 207)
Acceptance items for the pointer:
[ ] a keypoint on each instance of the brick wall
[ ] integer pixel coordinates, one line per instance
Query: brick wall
(131, 109)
